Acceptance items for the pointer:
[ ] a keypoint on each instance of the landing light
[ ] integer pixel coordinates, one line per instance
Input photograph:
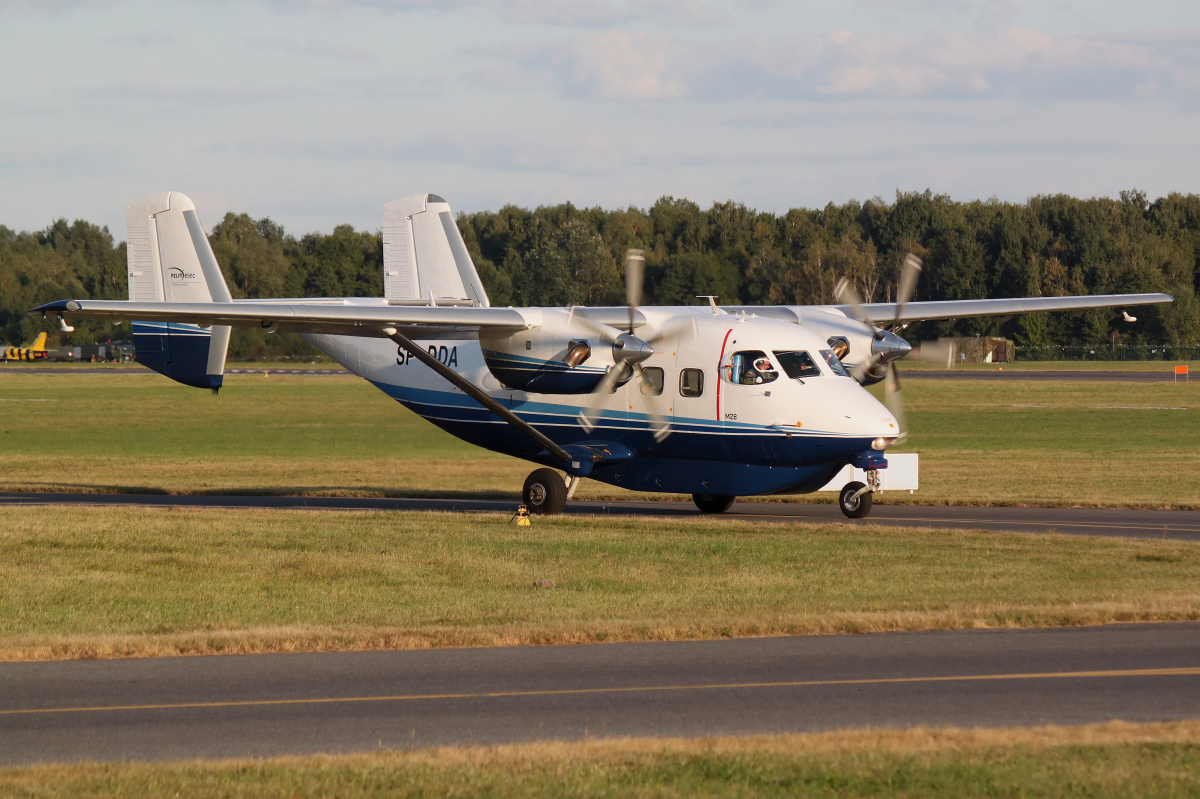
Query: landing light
(882, 443)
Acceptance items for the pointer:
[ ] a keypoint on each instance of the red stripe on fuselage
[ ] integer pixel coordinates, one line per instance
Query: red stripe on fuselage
(719, 362)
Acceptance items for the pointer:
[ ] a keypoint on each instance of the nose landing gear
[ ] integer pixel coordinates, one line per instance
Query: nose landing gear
(856, 499)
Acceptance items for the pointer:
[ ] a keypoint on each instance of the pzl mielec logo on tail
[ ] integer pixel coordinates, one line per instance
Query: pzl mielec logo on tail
(178, 274)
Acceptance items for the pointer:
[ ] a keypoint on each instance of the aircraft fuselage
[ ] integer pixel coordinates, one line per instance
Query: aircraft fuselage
(735, 430)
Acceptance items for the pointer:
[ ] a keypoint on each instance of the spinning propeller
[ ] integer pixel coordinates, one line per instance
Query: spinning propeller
(886, 346)
(628, 353)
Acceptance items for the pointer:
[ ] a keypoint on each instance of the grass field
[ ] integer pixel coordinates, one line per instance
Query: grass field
(1112, 760)
(1166, 367)
(1057, 443)
(111, 582)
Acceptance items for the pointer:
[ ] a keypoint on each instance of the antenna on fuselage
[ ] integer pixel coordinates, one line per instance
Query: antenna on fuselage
(712, 301)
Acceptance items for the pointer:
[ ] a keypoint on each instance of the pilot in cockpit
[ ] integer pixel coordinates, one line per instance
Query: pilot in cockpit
(752, 368)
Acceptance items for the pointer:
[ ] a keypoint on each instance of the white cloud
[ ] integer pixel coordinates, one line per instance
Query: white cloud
(619, 65)
(622, 65)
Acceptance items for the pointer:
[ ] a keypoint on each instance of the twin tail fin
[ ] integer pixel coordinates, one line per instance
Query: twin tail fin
(170, 260)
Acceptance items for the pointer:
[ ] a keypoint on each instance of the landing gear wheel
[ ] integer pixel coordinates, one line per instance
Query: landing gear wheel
(713, 503)
(545, 492)
(856, 508)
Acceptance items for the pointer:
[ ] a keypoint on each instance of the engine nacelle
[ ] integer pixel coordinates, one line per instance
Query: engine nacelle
(855, 342)
(558, 357)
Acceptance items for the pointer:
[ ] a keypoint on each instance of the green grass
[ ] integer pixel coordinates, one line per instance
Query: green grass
(88, 582)
(980, 443)
(1055, 443)
(1159, 760)
(1167, 367)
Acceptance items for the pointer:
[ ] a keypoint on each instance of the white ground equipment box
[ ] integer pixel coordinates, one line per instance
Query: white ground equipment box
(900, 475)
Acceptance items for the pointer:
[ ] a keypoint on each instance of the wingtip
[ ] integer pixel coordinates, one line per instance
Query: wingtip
(58, 306)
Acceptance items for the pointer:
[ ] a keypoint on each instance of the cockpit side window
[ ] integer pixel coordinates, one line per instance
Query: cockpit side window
(797, 364)
(751, 367)
(834, 362)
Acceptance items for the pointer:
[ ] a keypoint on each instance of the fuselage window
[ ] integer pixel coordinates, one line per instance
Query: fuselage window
(691, 382)
(653, 384)
(797, 364)
(751, 367)
(834, 362)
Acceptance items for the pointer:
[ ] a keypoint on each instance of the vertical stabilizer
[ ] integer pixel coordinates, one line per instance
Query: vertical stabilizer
(39, 343)
(424, 254)
(170, 260)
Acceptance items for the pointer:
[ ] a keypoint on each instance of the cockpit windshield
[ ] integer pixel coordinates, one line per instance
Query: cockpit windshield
(797, 364)
(834, 363)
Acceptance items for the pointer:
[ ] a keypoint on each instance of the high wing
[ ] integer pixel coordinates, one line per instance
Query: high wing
(348, 318)
(366, 317)
(879, 312)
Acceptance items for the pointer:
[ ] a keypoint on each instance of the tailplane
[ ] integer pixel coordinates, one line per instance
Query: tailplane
(170, 260)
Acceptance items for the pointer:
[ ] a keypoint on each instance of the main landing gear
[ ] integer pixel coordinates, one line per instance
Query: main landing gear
(713, 503)
(856, 499)
(545, 492)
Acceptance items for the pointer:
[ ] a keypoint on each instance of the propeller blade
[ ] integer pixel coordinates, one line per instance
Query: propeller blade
(612, 377)
(635, 270)
(909, 273)
(895, 400)
(658, 419)
(605, 333)
(846, 295)
(906, 285)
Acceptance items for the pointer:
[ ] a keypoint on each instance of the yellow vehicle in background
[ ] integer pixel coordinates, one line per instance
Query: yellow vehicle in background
(34, 352)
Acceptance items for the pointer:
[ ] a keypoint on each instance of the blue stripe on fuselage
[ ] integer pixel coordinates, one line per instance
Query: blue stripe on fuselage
(692, 443)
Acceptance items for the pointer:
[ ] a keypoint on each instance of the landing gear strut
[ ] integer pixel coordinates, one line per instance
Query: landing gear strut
(545, 492)
(856, 499)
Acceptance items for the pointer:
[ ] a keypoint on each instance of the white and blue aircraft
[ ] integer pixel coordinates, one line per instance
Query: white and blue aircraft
(713, 401)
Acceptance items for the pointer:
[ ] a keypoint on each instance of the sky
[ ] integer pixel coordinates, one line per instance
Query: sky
(316, 112)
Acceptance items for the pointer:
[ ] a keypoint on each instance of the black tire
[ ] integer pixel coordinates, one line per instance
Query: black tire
(859, 507)
(713, 503)
(545, 492)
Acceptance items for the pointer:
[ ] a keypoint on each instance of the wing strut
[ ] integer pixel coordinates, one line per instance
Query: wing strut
(475, 393)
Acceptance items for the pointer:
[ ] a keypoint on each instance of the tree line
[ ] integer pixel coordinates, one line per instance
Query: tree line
(563, 255)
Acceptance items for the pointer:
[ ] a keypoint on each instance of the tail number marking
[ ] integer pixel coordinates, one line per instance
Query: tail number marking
(447, 355)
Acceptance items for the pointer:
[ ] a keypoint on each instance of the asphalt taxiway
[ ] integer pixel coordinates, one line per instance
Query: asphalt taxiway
(1168, 524)
(264, 705)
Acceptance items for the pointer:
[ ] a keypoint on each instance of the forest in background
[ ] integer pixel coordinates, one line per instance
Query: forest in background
(563, 255)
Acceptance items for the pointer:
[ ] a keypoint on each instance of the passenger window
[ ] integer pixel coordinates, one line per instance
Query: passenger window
(691, 382)
(751, 367)
(797, 364)
(653, 384)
